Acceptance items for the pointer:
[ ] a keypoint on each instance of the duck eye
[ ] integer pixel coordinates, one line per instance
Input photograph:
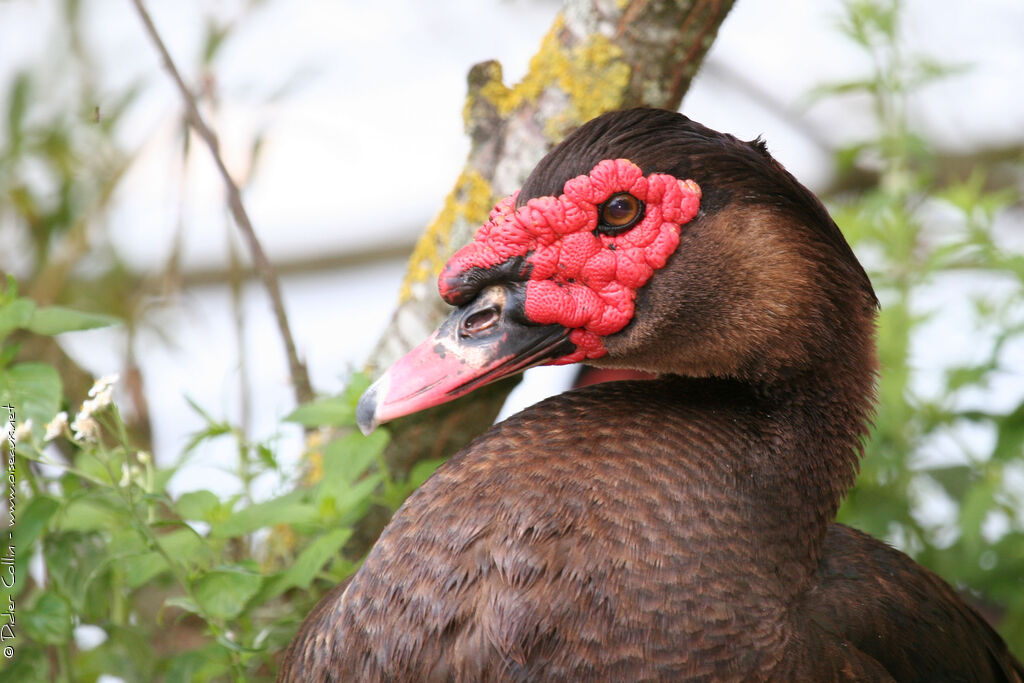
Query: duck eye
(619, 213)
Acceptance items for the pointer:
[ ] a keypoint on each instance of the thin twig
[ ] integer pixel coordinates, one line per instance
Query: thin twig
(299, 375)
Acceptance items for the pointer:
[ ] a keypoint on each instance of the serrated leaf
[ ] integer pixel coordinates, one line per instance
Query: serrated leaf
(52, 320)
(48, 620)
(73, 561)
(223, 594)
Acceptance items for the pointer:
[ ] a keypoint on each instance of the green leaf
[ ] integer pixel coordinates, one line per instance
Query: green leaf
(1010, 439)
(288, 509)
(327, 412)
(223, 593)
(184, 603)
(17, 98)
(336, 411)
(215, 35)
(94, 512)
(32, 520)
(48, 620)
(210, 663)
(15, 315)
(183, 546)
(52, 320)
(142, 568)
(73, 561)
(348, 458)
(266, 456)
(310, 561)
(200, 505)
(33, 389)
(422, 470)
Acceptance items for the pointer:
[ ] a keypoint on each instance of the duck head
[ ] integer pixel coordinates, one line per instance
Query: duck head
(647, 241)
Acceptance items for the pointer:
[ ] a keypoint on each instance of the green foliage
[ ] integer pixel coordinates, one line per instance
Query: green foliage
(147, 567)
(34, 389)
(920, 233)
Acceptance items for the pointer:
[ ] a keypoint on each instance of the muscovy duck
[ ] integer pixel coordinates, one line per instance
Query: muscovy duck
(676, 529)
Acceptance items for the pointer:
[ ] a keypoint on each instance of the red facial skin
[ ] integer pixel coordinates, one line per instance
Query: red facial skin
(580, 284)
(583, 281)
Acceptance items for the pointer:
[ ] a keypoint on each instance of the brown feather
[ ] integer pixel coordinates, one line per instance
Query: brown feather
(678, 528)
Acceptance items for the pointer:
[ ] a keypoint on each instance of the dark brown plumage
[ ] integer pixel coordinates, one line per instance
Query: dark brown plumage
(678, 528)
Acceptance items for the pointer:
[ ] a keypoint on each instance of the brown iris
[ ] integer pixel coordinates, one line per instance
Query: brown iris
(619, 213)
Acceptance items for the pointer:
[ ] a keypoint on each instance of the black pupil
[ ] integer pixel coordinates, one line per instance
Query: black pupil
(619, 210)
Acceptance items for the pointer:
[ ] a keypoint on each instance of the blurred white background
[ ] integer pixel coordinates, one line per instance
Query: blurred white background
(367, 139)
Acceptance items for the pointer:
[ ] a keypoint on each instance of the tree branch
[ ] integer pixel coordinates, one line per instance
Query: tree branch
(296, 368)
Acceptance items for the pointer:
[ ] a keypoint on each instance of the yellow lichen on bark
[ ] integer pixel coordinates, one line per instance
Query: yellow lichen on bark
(470, 200)
(593, 74)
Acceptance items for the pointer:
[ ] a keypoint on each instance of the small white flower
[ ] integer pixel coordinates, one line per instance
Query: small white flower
(100, 396)
(144, 457)
(126, 476)
(102, 399)
(56, 426)
(24, 429)
(104, 383)
(84, 427)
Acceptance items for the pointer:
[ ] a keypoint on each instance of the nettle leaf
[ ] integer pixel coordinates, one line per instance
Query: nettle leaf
(51, 320)
(224, 593)
(73, 562)
(48, 620)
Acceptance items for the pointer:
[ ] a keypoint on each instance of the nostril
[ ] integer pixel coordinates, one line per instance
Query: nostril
(479, 321)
